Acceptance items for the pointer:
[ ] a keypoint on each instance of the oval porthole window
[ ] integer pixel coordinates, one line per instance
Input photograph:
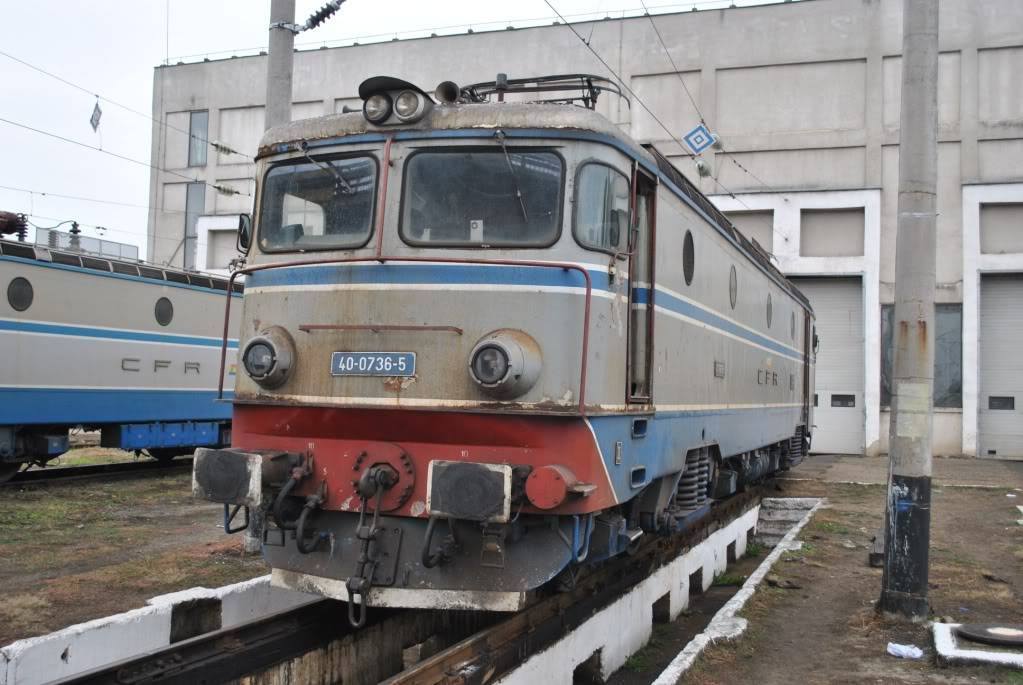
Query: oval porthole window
(688, 257)
(20, 294)
(793, 326)
(770, 310)
(733, 287)
(164, 311)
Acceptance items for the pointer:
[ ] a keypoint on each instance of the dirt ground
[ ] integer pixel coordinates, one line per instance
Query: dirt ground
(825, 629)
(78, 551)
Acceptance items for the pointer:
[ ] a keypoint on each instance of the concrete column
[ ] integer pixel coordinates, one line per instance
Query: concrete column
(280, 62)
(908, 516)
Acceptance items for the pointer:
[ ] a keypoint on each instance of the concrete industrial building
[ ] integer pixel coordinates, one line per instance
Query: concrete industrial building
(805, 99)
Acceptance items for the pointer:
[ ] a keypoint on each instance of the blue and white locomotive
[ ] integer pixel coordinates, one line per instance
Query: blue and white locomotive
(486, 342)
(123, 347)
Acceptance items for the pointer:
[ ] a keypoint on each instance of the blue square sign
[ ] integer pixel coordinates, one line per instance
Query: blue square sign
(699, 139)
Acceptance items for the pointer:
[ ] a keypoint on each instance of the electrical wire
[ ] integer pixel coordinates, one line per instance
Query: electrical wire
(220, 147)
(674, 67)
(729, 192)
(620, 81)
(222, 189)
(45, 193)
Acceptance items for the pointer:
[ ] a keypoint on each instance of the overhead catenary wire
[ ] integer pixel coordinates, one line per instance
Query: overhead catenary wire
(46, 193)
(216, 145)
(621, 81)
(222, 189)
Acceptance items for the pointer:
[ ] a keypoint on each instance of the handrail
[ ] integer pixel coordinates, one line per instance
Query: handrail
(568, 266)
(376, 328)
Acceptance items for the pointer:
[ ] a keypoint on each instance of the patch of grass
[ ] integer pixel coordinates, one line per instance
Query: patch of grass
(832, 527)
(729, 580)
(86, 456)
(754, 548)
(638, 662)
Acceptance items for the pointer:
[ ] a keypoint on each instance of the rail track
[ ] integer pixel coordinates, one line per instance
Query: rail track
(494, 646)
(116, 471)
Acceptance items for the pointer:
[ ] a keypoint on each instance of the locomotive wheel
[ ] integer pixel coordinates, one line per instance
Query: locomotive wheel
(164, 454)
(8, 469)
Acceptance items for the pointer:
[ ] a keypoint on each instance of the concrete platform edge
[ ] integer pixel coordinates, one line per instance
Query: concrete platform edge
(726, 625)
(80, 648)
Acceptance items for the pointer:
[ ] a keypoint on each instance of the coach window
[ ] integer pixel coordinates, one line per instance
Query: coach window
(318, 204)
(602, 208)
(482, 198)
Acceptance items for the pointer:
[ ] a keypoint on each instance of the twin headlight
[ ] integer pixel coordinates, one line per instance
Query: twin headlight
(269, 356)
(407, 106)
(505, 363)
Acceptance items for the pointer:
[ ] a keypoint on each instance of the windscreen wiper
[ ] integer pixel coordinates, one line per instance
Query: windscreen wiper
(515, 181)
(341, 186)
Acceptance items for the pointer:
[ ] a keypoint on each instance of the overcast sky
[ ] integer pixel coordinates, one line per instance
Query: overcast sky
(109, 48)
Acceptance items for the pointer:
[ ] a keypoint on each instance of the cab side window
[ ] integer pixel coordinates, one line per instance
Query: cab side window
(602, 197)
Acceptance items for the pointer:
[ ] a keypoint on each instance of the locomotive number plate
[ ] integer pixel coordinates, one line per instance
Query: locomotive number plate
(373, 364)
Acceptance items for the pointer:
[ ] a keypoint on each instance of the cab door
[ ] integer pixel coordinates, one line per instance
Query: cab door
(639, 380)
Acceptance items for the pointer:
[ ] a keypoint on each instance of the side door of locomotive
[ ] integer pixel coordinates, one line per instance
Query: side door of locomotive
(639, 377)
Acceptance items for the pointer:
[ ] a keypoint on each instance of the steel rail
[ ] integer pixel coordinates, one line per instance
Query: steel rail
(127, 469)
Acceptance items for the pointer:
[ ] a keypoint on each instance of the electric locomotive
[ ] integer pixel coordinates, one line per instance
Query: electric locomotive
(486, 342)
(119, 346)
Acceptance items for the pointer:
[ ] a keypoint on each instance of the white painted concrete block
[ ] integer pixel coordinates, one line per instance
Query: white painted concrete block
(104, 641)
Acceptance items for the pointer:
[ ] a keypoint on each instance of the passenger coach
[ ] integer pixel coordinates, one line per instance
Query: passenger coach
(485, 343)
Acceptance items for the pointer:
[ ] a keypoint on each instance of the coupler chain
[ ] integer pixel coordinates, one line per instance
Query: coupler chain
(374, 482)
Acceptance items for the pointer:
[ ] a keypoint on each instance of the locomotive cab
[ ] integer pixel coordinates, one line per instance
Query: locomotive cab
(476, 355)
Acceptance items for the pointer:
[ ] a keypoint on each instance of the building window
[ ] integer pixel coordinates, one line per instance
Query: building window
(195, 202)
(948, 355)
(198, 131)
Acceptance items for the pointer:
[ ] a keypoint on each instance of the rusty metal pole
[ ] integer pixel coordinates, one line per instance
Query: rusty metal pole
(908, 514)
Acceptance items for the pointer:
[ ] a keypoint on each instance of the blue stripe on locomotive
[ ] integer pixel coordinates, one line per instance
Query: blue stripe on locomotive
(670, 434)
(475, 274)
(110, 405)
(110, 333)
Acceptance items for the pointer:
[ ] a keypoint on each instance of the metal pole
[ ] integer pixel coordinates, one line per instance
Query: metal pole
(908, 514)
(280, 61)
(278, 111)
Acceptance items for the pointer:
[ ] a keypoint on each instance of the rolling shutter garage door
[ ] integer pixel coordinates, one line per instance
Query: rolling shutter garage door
(838, 414)
(1000, 416)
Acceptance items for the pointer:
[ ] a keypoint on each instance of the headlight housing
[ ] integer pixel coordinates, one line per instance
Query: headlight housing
(268, 357)
(377, 108)
(409, 105)
(505, 363)
(490, 365)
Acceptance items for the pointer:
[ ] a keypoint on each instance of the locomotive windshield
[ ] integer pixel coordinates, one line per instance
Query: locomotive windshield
(482, 198)
(318, 204)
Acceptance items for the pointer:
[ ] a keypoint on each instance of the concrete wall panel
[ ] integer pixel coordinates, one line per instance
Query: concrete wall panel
(1001, 228)
(1000, 160)
(243, 127)
(831, 233)
(802, 97)
(948, 94)
(175, 151)
(1001, 102)
(663, 94)
(793, 169)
